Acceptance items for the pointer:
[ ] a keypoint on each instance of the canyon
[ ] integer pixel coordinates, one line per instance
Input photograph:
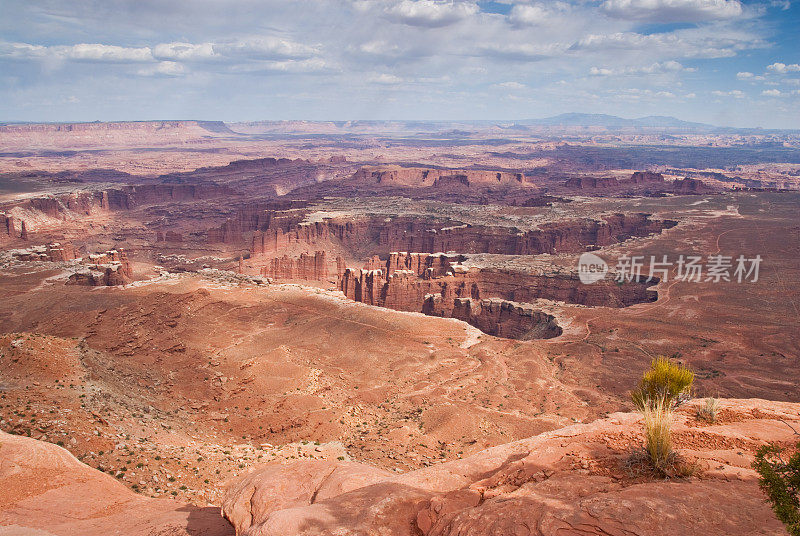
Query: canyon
(276, 328)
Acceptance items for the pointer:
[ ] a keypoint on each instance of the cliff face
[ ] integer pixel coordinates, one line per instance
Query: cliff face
(271, 230)
(7, 227)
(305, 267)
(55, 252)
(493, 301)
(110, 268)
(436, 178)
(69, 205)
(640, 181)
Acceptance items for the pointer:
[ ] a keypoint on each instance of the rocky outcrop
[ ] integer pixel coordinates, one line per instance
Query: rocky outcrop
(505, 319)
(436, 178)
(295, 484)
(495, 301)
(110, 268)
(576, 480)
(169, 236)
(687, 186)
(275, 230)
(273, 216)
(645, 177)
(7, 227)
(591, 183)
(45, 491)
(55, 252)
(643, 182)
(305, 267)
(75, 204)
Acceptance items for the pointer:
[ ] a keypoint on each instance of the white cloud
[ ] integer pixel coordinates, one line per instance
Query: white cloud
(509, 85)
(670, 66)
(528, 15)
(782, 68)
(735, 93)
(184, 51)
(672, 10)
(385, 78)
(771, 93)
(163, 68)
(520, 52)
(682, 43)
(90, 52)
(430, 13)
(750, 77)
(268, 48)
(311, 65)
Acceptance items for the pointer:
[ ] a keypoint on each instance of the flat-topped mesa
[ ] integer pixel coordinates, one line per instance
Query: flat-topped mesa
(642, 182)
(270, 231)
(55, 252)
(109, 268)
(81, 203)
(258, 219)
(434, 283)
(437, 178)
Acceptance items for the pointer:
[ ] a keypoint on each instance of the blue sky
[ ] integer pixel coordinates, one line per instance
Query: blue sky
(724, 62)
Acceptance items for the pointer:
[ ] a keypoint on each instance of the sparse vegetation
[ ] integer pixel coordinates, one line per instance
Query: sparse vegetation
(780, 481)
(658, 432)
(665, 380)
(661, 388)
(709, 410)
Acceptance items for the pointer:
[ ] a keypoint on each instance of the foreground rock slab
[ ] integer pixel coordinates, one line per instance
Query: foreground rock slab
(45, 491)
(576, 480)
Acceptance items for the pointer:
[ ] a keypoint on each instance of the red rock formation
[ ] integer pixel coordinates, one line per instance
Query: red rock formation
(278, 229)
(645, 177)
(591, 183)
(45, 490)
(7, 228)
(687, 186)
(55, 252)
(104, 269)
(506, 319)
(568, 481)
(169, 236)
(640, 181)
(437, 178)
(306, 267)
(492, 300)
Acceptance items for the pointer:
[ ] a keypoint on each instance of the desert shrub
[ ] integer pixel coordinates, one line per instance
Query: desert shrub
(780, 480)
(658, 392)
(657, 430)
(665, 382)
(709, 410)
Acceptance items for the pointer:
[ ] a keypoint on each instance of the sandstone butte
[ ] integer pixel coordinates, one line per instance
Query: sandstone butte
(575, 480)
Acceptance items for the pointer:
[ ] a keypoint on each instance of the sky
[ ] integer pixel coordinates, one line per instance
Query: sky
(724, 62)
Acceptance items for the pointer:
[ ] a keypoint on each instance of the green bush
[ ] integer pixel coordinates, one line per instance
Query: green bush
(665, 383)
(781, 482)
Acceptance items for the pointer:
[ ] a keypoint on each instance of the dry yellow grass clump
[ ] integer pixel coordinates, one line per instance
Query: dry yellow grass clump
(661, 388)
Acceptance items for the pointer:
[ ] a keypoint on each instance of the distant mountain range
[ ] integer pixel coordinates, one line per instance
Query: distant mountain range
(613, 121)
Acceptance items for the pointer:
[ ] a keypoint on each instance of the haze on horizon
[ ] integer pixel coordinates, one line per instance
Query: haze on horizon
(723, 62)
